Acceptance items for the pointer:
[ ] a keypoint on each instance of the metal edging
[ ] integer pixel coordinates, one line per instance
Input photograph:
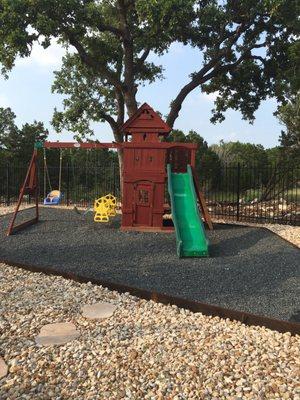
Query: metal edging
(192, 305)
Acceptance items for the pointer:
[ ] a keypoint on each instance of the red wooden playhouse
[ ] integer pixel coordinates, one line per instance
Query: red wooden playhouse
(144, 171)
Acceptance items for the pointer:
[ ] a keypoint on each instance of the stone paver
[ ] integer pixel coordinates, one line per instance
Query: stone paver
(57, 334)
(3, 368)
(98, 310)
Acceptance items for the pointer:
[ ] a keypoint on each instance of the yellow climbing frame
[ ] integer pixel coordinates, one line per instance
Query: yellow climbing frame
(104, 208)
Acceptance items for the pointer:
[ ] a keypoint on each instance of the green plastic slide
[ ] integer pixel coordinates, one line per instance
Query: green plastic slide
(190, 233)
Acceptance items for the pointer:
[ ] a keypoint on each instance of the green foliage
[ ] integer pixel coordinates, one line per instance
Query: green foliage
(237, 152)
(7, 126)
(207, 161)
(249, 50)
(176, 135)
(89, 99)
(89, 172)
(17, 143)
(289, 115)
(262, 170)
(273, 155)
(262, 59)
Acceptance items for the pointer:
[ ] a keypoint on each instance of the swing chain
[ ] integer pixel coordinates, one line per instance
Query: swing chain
(60, 169)
(46, 173)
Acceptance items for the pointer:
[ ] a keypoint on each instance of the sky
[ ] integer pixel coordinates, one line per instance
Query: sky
(28, 93)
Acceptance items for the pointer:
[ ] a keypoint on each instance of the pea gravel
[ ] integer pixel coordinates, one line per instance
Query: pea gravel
(288, 232)
(145, 350)
(250, 269)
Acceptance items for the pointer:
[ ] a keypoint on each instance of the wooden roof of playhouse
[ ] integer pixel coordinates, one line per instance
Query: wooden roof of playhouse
(145, 120)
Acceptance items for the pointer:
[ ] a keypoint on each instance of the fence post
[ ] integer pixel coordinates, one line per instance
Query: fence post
(7, 186)
(68, 184)
(238, 192)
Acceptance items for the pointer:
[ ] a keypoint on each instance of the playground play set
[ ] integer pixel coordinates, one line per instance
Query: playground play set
(149, 163)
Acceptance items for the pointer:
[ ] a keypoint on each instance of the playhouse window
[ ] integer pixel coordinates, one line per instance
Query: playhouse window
(143, 196)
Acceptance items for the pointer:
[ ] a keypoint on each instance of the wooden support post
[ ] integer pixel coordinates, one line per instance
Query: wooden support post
(31, 186)
(202, 201)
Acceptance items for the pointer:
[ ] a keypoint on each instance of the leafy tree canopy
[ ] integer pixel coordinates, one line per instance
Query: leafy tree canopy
(237, 152)
(7, 126)
(17, 144)
(176, 135)
(247, 51)
(289, 115)
(207, 161)
(273, 155)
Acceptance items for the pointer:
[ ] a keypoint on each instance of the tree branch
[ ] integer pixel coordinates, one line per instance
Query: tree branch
(108, 118)
(204, 75)
(259, 45)
(140, 61)
(145, 54)
(128, 89)
(199, 78)
(90, 62)
(261, 59)
(108, 28)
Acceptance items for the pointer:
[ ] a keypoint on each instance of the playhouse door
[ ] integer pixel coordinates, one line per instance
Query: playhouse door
(143, 203)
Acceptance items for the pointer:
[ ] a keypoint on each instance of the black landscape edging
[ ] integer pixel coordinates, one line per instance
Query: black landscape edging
(192, 305)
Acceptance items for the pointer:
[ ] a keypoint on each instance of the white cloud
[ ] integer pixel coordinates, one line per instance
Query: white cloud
(197, 98)
(209, 97)
(47, 58)
(4, 101)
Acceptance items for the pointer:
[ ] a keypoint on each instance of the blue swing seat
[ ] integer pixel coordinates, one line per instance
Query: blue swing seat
(53, 198)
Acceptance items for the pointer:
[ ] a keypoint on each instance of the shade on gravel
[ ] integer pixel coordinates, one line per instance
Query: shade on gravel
(250, 269)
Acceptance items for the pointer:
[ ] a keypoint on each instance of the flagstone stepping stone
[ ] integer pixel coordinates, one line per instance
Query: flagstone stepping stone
(56, 334)
(98, 310)
(3, 368)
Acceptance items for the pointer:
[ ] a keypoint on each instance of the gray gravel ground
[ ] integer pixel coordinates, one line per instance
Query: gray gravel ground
(250, 269)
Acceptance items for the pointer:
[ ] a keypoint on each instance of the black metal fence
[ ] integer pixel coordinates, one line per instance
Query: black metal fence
(80, 185)
(269, 194)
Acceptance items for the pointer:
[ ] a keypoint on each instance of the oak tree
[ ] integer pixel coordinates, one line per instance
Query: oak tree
(243, 46)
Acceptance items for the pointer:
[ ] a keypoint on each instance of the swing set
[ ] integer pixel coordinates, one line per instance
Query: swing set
(31, 183)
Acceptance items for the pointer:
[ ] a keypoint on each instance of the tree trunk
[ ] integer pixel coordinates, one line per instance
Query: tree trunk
(130, 101)
(119, 139)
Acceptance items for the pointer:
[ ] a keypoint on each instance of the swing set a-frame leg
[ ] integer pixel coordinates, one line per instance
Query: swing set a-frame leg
(30, 186)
